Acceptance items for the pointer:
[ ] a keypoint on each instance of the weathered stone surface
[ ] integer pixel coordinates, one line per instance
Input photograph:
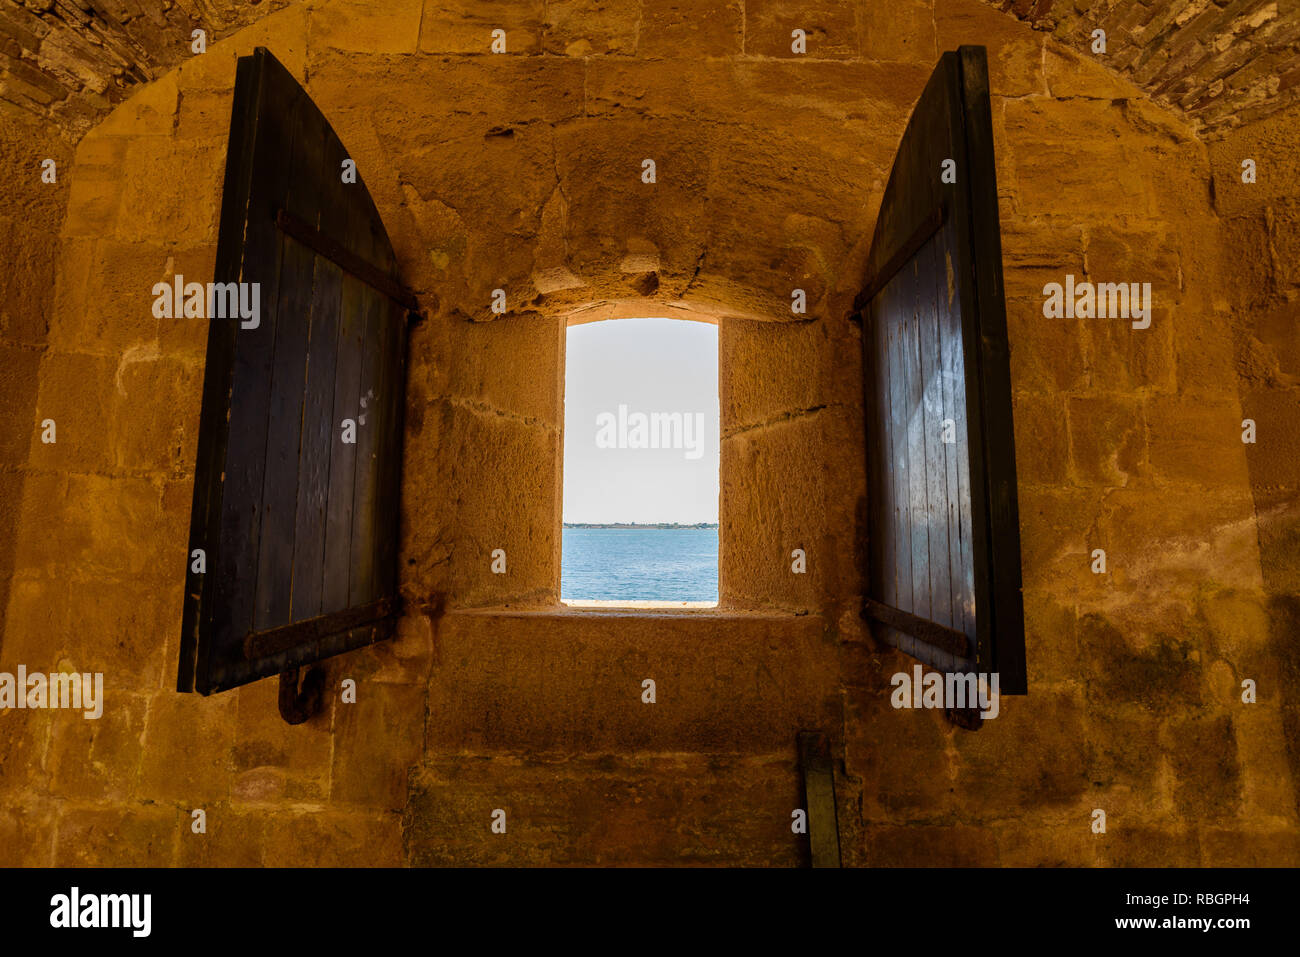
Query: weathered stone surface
(579, 28)
(233, 838)
(1015, 54)
(467, 27)
(785, 502)
(129, 835)
(1017, 760)
(375, 741)
(273, 761)
(1041, 424)
(604, 809)
(187, 746)
(723, 683)
(360, 27)
(953, 845)
(27, 834)
(1157, 672)
(1207, 773)
(99, 759)
(1108, 439)
(830, 29)
(1143, 843)
(327, 838)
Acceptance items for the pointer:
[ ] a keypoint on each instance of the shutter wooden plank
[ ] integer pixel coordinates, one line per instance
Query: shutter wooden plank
(319, 429)
(370, 389)
(932, 302)
(902, 558)
(288, 387)
(343, 456)
(949, 363)
(916, 451)
(391, 415)
(962, 557)
(963, 256)
(377, 384)
(880, 526)
(319, 433)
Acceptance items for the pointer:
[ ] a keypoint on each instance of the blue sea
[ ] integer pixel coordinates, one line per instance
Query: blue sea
(640, 564)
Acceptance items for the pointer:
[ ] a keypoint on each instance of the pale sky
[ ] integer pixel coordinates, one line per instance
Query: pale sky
(649, 366)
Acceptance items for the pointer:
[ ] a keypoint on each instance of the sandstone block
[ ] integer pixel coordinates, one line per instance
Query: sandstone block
(578, 28)
(466, 27)
(376, 740)
(129, 836)
(187, 749)
(361, 27)
(830, 29)
(1108, 440)
(1022, 760)
(711, 673)
(681, 30)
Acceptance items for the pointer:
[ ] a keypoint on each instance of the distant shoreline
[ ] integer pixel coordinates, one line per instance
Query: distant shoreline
(639, 525)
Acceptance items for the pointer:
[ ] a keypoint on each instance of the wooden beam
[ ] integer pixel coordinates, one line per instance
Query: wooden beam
(819, 798)
(260, 644)
(345, 259)
(931, 632)
(928, 226)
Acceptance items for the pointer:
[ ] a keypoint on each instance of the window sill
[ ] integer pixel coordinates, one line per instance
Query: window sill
(614, 604)
(615, 609)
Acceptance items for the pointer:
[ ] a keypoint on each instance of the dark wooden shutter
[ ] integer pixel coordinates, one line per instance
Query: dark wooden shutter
(944, 549)
(299, 528)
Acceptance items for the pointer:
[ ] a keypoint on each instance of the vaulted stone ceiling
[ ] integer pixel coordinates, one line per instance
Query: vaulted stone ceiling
(1223, 63)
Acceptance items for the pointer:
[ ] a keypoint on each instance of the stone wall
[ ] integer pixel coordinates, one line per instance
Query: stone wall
(31, 212)
(522, 172)
(1260, 222)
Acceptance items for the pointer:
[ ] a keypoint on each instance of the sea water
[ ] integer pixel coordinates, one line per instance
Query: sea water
(640, 564)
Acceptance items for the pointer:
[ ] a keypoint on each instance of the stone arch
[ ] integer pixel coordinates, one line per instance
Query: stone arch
(74, 67)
